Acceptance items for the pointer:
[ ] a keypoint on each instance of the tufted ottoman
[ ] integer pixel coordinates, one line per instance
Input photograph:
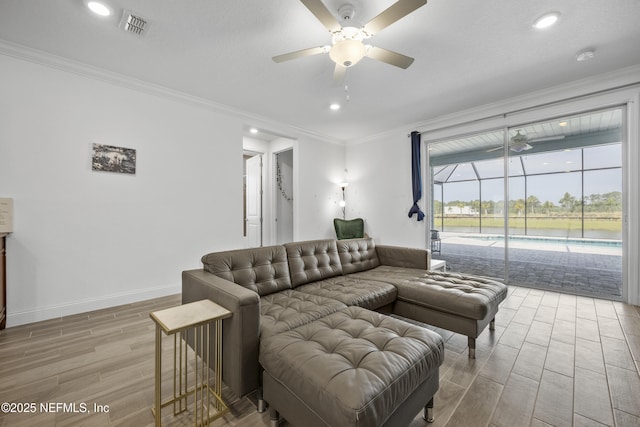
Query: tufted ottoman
(354, 367)
(461, 303)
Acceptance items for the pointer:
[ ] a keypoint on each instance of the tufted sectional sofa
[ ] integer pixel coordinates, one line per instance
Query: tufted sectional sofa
(276, 289)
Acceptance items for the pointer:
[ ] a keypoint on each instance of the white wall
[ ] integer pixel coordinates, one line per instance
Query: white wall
(84, 240)
(380, 190)
(318, 167)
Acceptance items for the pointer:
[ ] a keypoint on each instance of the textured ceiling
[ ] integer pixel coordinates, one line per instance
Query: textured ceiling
(468, 53)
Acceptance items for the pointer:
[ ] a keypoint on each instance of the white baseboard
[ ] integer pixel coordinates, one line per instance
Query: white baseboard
(56, 311)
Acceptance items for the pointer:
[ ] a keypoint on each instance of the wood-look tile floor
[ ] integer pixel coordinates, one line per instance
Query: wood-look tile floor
(554, 359)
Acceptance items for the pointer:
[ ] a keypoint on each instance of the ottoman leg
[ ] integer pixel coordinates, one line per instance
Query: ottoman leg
(472, 348)
(274, 417)
(492, 325)
(262, 406)
(428, 412)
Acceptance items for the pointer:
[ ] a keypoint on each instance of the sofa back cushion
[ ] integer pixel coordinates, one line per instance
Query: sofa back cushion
(313, 260)
(357, 255)
(263, 270)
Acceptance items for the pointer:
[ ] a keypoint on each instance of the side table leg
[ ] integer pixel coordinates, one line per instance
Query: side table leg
(208, 369)
(195, 376)
(158, 408)
(218, 363)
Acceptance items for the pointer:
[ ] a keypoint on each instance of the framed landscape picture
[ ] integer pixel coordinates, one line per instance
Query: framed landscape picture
(108, 158)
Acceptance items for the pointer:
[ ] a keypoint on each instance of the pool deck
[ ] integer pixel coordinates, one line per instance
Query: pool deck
(591, 270)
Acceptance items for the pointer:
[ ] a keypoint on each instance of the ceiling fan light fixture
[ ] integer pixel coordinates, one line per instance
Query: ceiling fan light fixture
(518, 138)
(519, 143)
(347, 52)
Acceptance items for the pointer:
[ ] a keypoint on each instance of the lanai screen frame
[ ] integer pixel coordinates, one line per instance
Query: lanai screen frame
(471, 158)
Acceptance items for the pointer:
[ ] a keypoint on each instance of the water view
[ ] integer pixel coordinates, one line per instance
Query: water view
(557, 196)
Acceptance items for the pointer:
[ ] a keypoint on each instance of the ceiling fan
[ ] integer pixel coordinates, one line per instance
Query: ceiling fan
(348, 38)
(520, 142)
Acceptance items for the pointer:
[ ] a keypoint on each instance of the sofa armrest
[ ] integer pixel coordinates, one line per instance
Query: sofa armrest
(396, 256)
(240, 332)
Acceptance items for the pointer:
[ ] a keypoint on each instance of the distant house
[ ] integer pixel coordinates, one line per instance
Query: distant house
(460, 210)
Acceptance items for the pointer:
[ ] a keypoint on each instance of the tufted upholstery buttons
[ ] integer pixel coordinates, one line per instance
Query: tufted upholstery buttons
(357, 255)
(289, 309)
(263, 270)
(354, 364)
(350, 291)
(467, 296)
(313, 260)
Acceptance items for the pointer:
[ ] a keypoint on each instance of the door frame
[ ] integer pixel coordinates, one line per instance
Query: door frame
(627, 97)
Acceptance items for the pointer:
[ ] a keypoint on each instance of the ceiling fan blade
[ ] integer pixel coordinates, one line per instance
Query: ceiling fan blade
(494, 149)
(390, 57)
(395, 12)
(321, 12)
(338, 74)
(299, 54)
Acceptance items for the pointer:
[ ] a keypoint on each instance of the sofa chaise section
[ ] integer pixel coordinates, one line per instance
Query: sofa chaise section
(457, 302)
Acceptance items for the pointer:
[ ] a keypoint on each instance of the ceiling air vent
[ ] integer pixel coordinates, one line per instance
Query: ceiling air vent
(133, 23)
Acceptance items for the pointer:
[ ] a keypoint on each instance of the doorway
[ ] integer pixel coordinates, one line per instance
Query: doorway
(253, 209)
(283, 199)
(269, 188)
(555, 222)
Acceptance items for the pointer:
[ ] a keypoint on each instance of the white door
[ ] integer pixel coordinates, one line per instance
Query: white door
(254, 201)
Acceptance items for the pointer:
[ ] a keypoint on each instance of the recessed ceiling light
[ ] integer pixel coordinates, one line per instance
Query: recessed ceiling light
(253, 130)
(562, 124)
(546, 20)
(99, 8)
(334, 106)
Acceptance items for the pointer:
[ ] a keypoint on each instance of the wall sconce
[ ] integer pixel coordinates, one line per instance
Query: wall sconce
(343, 203)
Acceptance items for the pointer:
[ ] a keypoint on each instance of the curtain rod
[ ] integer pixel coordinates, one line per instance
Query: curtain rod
(534, 107)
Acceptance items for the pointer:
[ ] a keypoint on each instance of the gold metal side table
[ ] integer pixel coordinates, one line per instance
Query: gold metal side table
(196, 317)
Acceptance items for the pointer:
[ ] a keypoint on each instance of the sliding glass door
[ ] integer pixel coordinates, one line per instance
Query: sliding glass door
(467, 176)
(561, 225)
(565, 215)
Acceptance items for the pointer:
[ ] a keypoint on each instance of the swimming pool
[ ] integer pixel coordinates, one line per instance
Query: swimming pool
(549, 240)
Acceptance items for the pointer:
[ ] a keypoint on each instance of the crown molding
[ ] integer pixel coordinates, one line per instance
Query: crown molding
(46, 59)
(606, 82)
(600, 83)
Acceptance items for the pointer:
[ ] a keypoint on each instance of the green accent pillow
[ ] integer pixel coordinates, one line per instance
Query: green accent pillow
(349, 228)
